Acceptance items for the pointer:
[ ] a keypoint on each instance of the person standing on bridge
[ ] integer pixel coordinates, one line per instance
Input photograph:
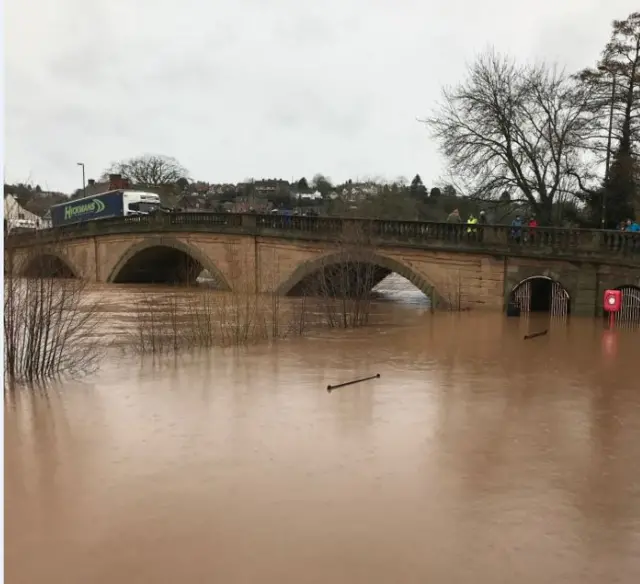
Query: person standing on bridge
(632, 226)
(532, 224)
(472, 230)
(471, 221)
(454, 217)
(516, 228)
(482, 220)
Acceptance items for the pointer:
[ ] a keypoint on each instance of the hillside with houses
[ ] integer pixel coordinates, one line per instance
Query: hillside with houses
(400, 199)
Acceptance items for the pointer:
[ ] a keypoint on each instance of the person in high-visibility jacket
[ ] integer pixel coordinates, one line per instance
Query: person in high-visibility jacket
(471, 221)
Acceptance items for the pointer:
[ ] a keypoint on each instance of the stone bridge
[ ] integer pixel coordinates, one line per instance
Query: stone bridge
(452, 264)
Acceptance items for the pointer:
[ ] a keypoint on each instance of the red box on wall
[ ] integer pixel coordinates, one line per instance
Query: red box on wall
(612, 300)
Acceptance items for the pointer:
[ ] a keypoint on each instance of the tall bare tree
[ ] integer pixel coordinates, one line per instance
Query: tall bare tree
(513, 128)
(162, 174)
(149, 170)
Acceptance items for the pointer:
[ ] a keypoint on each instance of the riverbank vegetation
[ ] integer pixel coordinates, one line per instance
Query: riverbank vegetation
(338, 294)
(202, 317)
(50, 325)
(53, 320)
(342, 284)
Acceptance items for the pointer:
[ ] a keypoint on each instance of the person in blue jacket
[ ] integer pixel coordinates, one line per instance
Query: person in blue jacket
(632, 226)
(516, 228)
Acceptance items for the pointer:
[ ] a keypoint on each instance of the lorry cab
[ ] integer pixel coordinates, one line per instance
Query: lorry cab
(139, 203)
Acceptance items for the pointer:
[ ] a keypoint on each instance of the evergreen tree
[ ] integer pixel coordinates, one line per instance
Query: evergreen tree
(449, 191)
(615, 83)
(621, 189)
(417, 188)
(303, 185)
(322, 184)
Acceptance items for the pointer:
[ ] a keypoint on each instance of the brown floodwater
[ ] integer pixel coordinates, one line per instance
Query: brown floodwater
(476, 457)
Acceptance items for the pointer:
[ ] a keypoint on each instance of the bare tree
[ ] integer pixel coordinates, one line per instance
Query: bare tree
(513, 128)
(343, 285)
(50, 323)
(201, 317)
(149, 170)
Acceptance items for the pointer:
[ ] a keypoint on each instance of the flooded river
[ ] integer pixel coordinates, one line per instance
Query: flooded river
(477, 457)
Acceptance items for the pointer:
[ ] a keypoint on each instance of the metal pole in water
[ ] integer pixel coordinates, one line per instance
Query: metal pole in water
(534, 335)
(330, 388)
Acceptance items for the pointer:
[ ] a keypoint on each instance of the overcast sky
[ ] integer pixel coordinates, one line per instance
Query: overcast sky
(259, 88)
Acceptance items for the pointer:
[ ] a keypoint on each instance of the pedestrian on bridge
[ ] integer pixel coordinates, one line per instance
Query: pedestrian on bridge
(516, 228)
(532, 224)
(454, 217)
(632, 226)
(482, 220)
(472, 231)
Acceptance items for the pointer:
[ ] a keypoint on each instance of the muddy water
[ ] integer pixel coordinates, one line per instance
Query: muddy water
(476, 457)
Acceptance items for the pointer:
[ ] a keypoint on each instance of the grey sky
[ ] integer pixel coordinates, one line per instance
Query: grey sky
(259, 88)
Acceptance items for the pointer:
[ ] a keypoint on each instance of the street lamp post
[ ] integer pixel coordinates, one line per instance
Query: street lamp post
(605, 69)
(84, 184)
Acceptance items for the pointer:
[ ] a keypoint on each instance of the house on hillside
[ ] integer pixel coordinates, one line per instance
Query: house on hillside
(193, 202)
(16, 217)
(46, 220)
(247, 204)
(315, 196)
(266, 188)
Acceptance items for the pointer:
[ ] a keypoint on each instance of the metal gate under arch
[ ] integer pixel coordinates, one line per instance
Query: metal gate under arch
(630, 309)
(559, 305)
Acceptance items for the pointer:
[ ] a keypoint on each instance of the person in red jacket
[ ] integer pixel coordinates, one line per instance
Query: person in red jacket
(532, 224)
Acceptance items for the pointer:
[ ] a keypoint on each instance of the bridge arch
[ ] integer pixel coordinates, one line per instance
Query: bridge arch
(164, 260)
(541, 294)
(376, 267)
(48, 264)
